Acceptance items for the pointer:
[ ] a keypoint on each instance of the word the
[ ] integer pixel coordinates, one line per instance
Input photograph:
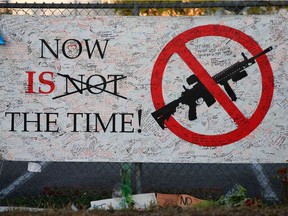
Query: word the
(81, 122)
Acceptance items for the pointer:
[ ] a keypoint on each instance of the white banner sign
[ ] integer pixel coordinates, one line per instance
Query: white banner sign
(144, 89)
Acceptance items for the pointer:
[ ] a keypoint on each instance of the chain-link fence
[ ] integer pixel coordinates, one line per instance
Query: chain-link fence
(83, 182)
(147, 8)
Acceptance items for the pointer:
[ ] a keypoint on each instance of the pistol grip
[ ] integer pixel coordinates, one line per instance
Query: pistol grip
(192, 115)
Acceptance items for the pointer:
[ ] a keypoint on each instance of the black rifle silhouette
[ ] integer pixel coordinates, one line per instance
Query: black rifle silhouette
(190, 96)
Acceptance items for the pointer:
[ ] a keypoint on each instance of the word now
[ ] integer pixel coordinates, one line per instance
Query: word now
(72, 48)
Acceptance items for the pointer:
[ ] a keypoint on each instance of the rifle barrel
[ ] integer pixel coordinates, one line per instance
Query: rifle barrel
(239, 66)
(262, 53)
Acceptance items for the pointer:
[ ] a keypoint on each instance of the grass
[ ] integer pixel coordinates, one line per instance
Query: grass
(55, 202)
(60, 203)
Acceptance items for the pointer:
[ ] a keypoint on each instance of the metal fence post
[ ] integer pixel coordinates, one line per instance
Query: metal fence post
(138, 166)
(135, 11)
(138, 169)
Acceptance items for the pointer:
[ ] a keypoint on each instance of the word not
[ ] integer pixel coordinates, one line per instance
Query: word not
(100, 87)
(72, 48)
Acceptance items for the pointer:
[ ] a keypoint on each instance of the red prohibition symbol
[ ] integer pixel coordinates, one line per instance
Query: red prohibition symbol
(244, 125)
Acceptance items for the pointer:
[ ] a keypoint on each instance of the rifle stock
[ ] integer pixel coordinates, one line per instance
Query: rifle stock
(165, 112)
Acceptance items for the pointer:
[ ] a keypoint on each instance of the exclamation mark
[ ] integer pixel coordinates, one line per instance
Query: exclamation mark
(139, 120)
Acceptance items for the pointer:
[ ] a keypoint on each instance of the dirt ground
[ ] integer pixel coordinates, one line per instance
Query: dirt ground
(219, 211)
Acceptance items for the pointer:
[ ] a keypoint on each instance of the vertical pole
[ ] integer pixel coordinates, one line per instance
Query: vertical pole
(135, 11)
(75, 10)
(126, 186)
(138, 168)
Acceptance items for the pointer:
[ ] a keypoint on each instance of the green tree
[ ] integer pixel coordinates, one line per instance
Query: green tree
(5, 11)
(159, 11)
(234, 9)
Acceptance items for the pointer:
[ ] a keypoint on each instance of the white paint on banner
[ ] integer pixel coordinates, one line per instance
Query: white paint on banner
(80, 89)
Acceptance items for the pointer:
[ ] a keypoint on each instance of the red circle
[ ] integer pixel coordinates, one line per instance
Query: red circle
(175, 45)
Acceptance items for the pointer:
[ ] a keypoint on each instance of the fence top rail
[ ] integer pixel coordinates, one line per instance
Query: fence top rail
(162, 4)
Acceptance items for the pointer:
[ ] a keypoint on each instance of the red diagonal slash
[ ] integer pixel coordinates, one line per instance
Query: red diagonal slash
(212, 86)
